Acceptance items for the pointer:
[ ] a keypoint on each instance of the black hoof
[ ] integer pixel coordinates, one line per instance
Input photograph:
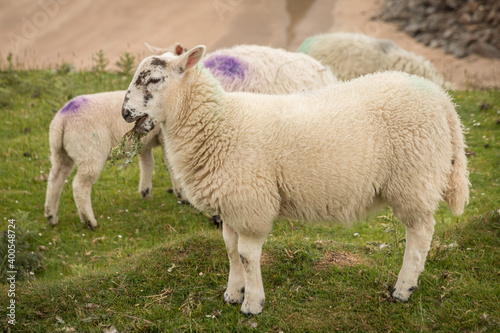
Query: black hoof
(216, 220)
(91, 227)
(145, 193)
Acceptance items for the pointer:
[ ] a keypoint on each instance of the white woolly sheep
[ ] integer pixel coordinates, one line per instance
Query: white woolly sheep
(86, 128)
(83, 133)
(350, 55)
(332, 154)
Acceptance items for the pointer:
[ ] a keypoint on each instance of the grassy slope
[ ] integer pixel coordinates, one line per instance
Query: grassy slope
(142, 269)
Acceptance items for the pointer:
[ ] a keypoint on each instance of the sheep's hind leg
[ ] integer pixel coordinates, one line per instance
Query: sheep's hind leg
(236, 282)
(82, 186)
(250, 249)
(62, 165)
(418, 242)
(146, 164)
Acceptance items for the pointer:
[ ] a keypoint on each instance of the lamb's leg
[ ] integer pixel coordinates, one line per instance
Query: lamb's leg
(62, 165)
(418, 242)
(250, 249)
(236, 282)
(146, 164)
(82, 186)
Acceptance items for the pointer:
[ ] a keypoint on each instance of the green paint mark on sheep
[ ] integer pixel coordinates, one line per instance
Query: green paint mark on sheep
(421, 83)
(306, 45)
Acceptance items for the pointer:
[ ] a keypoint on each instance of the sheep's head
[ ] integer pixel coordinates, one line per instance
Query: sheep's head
(144, 101)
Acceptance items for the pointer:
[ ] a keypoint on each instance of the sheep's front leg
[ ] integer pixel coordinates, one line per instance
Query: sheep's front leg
(176, 187)
(236, 282)
(146, 164)
(250, 249)
(418, 241)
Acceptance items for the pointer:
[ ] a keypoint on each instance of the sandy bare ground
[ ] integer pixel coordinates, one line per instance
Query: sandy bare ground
(45, 33)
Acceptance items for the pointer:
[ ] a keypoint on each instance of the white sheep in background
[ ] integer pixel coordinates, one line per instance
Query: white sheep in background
(351, 55)
(262, 69)
(87, 127)
(332, 154)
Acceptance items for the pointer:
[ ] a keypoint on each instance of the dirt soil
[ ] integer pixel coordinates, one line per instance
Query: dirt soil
(47, 32)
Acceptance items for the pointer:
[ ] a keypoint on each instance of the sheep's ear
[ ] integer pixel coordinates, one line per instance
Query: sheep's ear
(189, 59)
(156, 50)
(179, 49)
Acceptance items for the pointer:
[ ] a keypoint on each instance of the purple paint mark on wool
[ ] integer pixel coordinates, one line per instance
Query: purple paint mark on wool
(73, 105)
(226, 65)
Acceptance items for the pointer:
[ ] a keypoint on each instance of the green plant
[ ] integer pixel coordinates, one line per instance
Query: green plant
(100, 62)
(392, 226)
(129, 147)
(9, 60)
(65, 68)
(126, 64)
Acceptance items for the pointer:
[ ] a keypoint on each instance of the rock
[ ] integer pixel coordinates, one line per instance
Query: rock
(459, 27)
(484, 49)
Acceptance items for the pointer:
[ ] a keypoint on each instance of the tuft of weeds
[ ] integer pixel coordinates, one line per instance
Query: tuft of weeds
(126, 64)
(100, 62)
(392, 226)
(128, 148)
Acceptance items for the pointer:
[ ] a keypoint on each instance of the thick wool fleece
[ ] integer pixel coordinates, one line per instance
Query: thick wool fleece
(263, 69)
(351, 55)
(330, 154)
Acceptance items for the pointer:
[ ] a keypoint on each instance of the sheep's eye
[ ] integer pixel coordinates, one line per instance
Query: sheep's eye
(154, 80)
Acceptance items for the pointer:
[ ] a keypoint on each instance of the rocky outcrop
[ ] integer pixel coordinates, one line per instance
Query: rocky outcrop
(458, 27)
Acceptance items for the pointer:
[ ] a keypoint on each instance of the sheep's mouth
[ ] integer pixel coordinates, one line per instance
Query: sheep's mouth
(138, 125)
(139, 121)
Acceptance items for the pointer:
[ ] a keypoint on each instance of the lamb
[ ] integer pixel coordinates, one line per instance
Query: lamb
(336, 153)
(86, 128)
(350, 55)
(83, 133)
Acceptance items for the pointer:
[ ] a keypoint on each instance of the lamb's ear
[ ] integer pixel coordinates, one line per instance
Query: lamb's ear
(189, 59)
(156, 50)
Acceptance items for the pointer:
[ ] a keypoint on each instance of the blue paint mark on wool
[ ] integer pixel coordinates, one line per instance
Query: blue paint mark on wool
(74, 105)
(226, 65)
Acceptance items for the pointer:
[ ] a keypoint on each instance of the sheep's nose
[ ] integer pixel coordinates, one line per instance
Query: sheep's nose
(125, 113)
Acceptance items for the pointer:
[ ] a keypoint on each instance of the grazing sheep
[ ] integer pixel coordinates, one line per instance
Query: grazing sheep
(87, 127)
(332, 154)
(351, 55)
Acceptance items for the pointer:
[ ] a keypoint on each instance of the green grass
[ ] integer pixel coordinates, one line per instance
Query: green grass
(155, 265)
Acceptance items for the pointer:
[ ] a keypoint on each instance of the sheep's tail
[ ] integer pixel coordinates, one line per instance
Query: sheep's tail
(56, 133)
(456, 194)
